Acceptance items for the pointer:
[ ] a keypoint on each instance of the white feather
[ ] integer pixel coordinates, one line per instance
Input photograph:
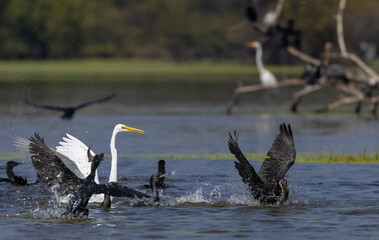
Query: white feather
(76, 151)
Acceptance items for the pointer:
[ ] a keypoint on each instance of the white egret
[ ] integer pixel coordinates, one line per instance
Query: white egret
(265, 76)
(76, 151)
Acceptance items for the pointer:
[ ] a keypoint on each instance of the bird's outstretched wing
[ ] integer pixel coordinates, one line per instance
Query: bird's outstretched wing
(282, 156)
(49, 107)
(76, 151)
(119, 191)
(246, 171)
(95, 101)
(51, 168)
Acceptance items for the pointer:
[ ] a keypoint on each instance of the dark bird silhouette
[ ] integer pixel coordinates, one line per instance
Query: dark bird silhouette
(289, 35)
(51, 169)
(250, 12)
(68, 112)
(161, 172)
(269, 185)
(12, 177)
(315, 73)
(154, 184)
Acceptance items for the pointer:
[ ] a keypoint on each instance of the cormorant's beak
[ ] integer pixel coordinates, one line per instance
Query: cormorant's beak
(2, 167)
(89, 155)
(250, 44)
(130, 129)
(101, 155)
(163, 175)
(19, 163)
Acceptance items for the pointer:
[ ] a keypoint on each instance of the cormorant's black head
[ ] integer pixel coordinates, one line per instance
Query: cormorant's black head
(161, 162)
(12, 164)
(97, 159)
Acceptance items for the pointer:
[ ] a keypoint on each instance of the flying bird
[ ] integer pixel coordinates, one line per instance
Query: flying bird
(12, 177)
(68, 112)
(268, 186)
(265, 76)
(51, 167)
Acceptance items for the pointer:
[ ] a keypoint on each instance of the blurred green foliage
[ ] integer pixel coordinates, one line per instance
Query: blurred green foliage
(165, 29)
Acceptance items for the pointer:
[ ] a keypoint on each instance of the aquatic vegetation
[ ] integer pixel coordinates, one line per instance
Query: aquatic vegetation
(359, 158)
(130, 70)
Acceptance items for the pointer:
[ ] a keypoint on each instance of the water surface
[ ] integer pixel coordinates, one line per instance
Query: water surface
(206, 199)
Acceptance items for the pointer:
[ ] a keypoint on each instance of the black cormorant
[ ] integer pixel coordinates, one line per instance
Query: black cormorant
(12, 177)
(315, 73)
(154, 184)
(162, 173)
(68, 112)
(269, 185)
(51, 169)
(250, 12)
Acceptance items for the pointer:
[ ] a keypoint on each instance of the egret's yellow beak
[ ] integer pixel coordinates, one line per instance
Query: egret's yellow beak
(130, 129)
(250, 44)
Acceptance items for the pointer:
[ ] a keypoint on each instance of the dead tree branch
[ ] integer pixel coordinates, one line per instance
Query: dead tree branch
(306, 58)
(298, 96)
(257, 87)
(341, 102)
(341, 39)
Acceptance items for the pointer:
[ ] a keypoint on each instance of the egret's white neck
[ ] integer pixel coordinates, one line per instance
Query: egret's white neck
(258, 58)
(113, 174)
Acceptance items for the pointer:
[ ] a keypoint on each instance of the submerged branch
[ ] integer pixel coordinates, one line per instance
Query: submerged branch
(258, 87)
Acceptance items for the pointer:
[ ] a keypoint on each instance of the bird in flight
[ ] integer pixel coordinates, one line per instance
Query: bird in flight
(68, 112)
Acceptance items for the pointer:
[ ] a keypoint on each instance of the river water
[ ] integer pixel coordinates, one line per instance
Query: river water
(206, 198)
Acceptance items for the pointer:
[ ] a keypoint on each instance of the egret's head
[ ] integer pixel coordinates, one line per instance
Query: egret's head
(122, 128)
(254, 44)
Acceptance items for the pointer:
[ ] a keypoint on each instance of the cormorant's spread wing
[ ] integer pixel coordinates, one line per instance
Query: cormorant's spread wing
(95, 101)
(282, 156)
(119, 191)
(50, 167)
(244, 168)
(49, 107)
(76, 151)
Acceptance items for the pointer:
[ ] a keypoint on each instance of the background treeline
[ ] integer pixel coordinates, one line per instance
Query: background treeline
(168, 29)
